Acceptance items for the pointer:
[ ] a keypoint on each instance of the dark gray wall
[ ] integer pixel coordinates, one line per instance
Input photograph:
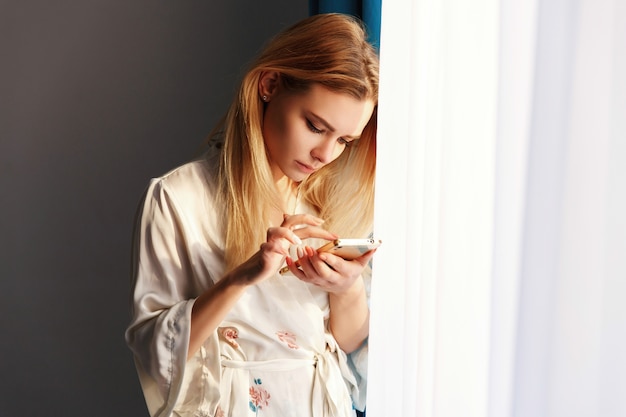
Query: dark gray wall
(96, 97)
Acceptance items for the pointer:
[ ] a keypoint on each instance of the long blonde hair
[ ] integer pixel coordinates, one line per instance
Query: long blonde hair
(330, 50)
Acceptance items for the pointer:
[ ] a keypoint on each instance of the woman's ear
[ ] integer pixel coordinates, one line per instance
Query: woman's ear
(268, 84)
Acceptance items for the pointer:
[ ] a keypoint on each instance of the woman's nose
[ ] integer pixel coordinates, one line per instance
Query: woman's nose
(325, 151)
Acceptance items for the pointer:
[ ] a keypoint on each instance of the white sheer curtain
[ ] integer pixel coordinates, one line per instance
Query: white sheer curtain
(501, 203)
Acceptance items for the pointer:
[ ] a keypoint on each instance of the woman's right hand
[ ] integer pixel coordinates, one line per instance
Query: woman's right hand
(211, 307)
(271, 255)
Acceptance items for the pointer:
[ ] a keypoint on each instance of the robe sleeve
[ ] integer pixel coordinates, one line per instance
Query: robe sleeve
(358, 360)
(163, 292)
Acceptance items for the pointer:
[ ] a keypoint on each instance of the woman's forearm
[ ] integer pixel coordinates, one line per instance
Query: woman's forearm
(349, 317)
(209, 310)
(213, 305)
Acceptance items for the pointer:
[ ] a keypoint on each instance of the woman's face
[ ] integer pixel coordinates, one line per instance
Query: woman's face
(305, 131)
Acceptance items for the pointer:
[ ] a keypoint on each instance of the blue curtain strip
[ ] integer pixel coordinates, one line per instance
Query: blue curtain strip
(366, 10)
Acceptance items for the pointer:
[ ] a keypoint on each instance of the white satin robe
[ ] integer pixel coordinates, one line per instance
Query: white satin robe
(273, 354)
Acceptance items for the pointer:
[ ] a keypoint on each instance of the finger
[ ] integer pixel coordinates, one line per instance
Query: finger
(293, 268)
(315, 266)
(365, 258)
(274, 246)
(338, 264)
(315, 232)
(274, 233)
(300, 219)
(300, 267)
(303, 262)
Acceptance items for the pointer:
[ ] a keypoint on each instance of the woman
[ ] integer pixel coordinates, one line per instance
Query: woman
(216, 330)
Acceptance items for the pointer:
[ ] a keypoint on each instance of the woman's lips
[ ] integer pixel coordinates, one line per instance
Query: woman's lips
(307, 169)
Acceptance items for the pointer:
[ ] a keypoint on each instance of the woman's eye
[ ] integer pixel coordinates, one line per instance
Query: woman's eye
(312, 127)
(342, 141)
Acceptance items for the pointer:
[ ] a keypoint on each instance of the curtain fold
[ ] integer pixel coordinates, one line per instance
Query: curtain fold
(516, 72)
(498, 290)
(575, 156)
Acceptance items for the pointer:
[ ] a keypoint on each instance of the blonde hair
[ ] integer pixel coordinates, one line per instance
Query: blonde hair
(330, 50)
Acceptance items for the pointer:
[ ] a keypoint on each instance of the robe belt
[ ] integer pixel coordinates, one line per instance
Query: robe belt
(270, 365)
(330, 395)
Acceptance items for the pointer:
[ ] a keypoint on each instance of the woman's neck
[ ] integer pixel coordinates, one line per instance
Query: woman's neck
(288, 190)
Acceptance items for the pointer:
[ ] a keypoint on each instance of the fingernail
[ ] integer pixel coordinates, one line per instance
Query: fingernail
(297, 239)
(300, 252)
(310, 251)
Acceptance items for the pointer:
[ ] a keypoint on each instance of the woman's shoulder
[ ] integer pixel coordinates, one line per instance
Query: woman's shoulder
(192, 180)
(191, 173)
(201, 170)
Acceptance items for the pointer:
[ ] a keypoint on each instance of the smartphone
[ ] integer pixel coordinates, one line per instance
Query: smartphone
(348, 249)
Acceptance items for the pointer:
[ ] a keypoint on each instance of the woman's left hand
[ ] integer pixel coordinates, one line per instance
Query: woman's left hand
(329, 272)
